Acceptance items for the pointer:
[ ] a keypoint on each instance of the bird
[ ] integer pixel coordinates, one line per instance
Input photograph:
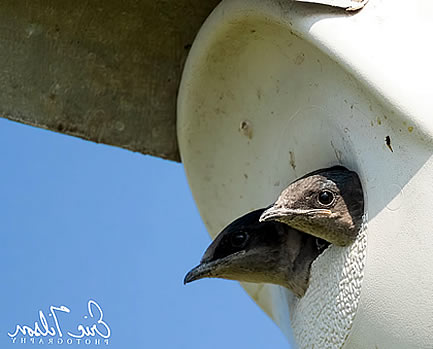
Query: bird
(327, 203)
(260, 252)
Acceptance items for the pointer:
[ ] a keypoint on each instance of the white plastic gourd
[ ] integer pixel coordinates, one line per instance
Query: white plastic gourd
(274, 89)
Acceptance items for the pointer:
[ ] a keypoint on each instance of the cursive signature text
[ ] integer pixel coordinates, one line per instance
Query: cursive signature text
(41, 328)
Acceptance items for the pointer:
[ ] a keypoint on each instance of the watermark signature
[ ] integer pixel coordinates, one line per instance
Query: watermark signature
(48, 329)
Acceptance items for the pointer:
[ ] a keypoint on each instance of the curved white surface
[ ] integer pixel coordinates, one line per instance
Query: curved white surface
(274, 89)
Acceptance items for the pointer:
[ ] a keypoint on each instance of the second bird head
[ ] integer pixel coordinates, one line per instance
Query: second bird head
(261, 252)
(327, 203)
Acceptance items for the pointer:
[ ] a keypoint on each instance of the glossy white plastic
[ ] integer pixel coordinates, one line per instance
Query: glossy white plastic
(274, 89)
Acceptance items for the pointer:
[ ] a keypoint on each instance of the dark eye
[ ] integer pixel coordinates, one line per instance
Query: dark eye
(239, 239)
(326, 197)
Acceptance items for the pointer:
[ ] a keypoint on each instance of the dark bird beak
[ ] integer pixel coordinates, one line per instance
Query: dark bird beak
(201, 271)
(211, 268)
(275, 212)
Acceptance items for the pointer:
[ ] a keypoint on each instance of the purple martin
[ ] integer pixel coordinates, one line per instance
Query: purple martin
(327, 203)
(261, 252)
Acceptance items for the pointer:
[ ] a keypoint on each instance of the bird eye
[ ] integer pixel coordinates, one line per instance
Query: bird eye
(239, 239)
(326, 197)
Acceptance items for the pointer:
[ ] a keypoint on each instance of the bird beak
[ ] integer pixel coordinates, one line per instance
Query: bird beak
(199, 272)
(275, 213)
(212, 269)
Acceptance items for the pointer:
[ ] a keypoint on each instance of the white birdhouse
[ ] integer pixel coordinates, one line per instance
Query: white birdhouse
(275, 89)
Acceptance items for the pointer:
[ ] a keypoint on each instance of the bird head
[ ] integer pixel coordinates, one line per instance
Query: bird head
(261, 252)
(327, 203)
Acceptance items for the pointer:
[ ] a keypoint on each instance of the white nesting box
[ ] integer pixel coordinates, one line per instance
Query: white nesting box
(274, 89)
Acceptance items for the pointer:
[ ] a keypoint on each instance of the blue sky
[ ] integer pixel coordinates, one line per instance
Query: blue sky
(81, 221)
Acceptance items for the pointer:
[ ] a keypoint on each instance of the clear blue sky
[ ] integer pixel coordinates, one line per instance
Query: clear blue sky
(81, 221)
